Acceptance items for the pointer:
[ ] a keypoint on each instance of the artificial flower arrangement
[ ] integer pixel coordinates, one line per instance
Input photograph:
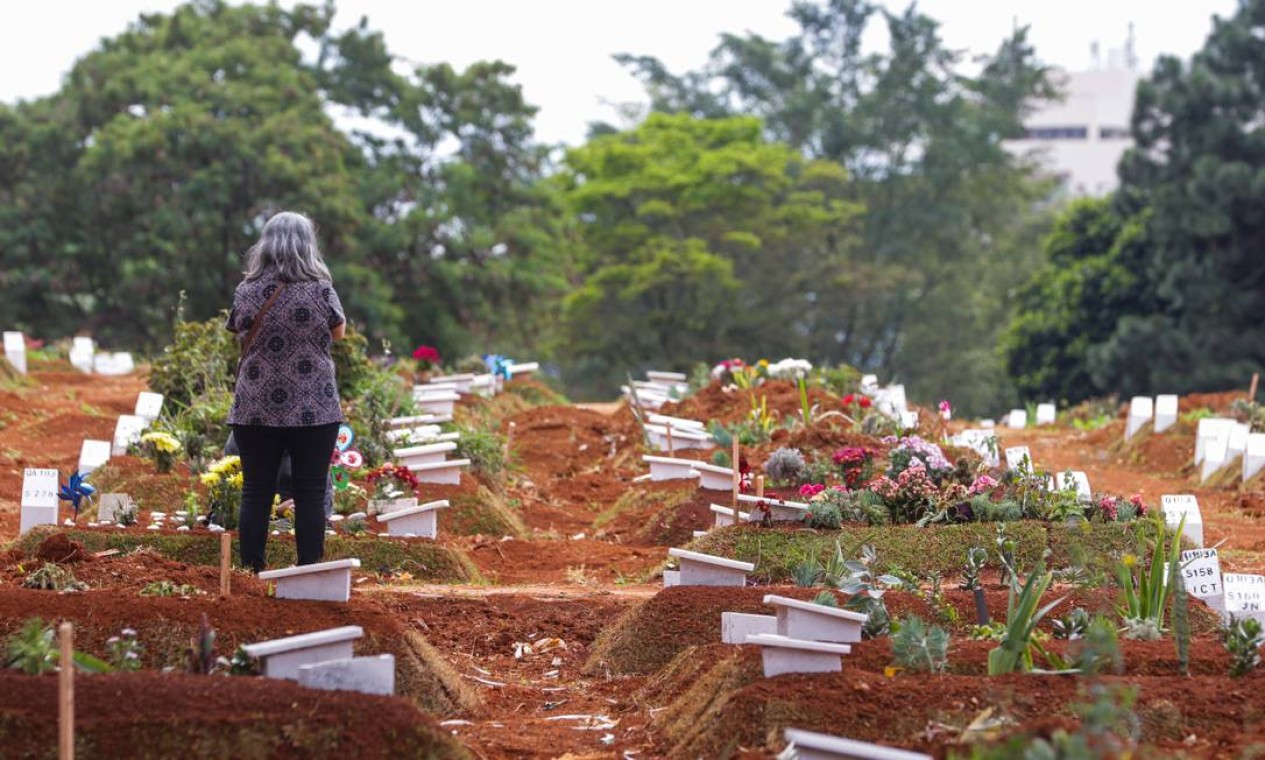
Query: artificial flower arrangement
(427, 357)
(393, 481)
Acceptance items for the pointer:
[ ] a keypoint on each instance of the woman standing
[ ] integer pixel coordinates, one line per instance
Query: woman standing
(286, 399)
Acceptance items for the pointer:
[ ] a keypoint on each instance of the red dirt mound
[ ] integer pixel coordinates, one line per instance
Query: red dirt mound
(60, 549)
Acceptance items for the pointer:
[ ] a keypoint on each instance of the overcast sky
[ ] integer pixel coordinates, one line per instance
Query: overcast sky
(563, 48)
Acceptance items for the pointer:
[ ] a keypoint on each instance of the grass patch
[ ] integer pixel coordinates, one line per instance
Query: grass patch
(940, 548)
(484, 513)
(425, 559)
(650, 502)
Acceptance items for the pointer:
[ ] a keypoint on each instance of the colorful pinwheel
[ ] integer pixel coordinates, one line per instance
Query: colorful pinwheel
(75, 491)
(344, 458)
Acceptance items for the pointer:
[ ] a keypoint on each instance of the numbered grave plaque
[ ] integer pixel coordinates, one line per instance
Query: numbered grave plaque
(39, 497)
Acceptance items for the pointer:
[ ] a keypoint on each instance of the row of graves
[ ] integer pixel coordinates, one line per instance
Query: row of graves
(320, 659)
(83, 355)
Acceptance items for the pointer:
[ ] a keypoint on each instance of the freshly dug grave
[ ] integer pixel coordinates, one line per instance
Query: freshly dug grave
(436, 561)
(648, 636)
(922, 551)
(150, 715)
(717, 704)
(166, 624)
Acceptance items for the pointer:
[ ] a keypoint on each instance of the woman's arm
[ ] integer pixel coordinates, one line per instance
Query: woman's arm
(338, 331)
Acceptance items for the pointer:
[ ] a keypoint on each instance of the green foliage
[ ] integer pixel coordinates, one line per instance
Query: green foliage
(1108, 729)
(1243, 639)
(1022, 617)
(485, 448)
(124, 651)
(784, 465)
(826, 599)
(53, 577)
(1071, 626)
(1145, 599)
(1099, 650)
(167, 588)
(33, 648)
(1181, 616)
(200, 361)
(918, 647)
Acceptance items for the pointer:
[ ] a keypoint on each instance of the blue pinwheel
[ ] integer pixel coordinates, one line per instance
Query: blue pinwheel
(76, 491)
(498, 365)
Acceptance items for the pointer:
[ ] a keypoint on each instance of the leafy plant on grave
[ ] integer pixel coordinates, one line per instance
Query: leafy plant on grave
(934, 596)
(806, 574)
(53, 577)
(1108, 728)
(826, 599)
(1181, 616)
(976, 559)
(242, 664)
(784, 465)
(1071, 626)
(825, 510)
(200, 656)
(1243, 638)
(919, 647)
(32, 649)
(1098, 650)
(1144, 599)
(856, 578)
(223, 481)
(167, 588)
(124, 651)
(485, 448)
(1022, 617)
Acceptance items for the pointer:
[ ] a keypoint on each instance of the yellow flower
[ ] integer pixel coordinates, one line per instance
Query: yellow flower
(227, 466)
(1129, 560)
(236, 479)
(209, 479)
(763, 363)
(164, 442)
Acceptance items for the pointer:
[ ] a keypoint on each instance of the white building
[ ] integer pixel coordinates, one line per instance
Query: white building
(1081, 138)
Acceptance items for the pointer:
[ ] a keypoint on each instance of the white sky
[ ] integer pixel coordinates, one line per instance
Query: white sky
(563, 48)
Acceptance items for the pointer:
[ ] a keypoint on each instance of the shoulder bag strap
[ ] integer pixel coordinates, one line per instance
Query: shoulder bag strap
(254, 326)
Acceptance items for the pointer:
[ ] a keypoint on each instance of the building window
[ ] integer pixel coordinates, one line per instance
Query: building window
(1056, 133)
(1113, 133)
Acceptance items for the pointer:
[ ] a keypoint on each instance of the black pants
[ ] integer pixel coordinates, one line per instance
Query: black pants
(262, 447)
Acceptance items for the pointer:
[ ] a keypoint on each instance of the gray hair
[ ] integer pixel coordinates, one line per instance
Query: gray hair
(287, 247)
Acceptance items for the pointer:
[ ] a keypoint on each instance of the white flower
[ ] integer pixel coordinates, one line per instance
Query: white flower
(791, 369)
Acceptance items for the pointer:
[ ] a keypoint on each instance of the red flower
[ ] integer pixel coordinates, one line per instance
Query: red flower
(857, 399)
(426, 354)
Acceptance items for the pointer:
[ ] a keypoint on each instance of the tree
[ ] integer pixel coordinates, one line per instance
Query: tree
(950, 217)
(702, 239)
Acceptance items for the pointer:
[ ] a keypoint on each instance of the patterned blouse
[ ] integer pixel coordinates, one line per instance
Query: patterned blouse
(287, 376)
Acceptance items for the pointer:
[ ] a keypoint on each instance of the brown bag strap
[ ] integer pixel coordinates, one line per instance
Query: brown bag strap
(254, 325)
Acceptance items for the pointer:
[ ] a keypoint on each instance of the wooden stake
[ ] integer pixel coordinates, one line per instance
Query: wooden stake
(669, 428)
(66, 693)
(226, 554)
(759, 486)
(737, 475)
(509, 439)
(1256, 381)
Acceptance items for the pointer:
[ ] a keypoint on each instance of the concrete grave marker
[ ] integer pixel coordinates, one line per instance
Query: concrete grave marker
(779, 509)
(891, 401)
(1075, 478)
(15, 350)
(714, 478)
(1047, 414)
(149, 406)
(1017, 419)
(1177, 506)
(1210, 428)
(39, 497)
(127, 431)
(1236, 442)
(1244, 595)
(982, 442)
(323, 581)
(1253, 456)
(785, 655)
(81, 353)
(384, 506)
(705, 570)
(522, 368)
(682, 438)
(1216, 450)
(421, 520)
(424, 454)
(1201, 571)
(807, 745)
(112, 506)
(1141, 410)
(798, 619)
(416, 420)
(869, 384)
(670, 468)
(909, 420)
(367, 675)
(735, 627)
(441, 404)
(666, 377)
(725, 516)
(282, 658)
(446, 473)
(1019, 459)
(119, 363)
(1165, 412)
(93, 454)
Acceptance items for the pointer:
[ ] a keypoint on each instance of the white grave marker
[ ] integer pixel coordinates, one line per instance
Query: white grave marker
(1244, 595)
(1046, 414)
(149, 405)
(112, 506)
(1017, 419)
(1254, 456)
(81, 351)
(1201, 570)
(869, 384)
(1216, 450)
(807, 745)
(1019, 458)
(39, 497)
(1077, 479)
(1165, 412)
(1177, 506)
(1141, 410)
(15, 350)
(92, 455)
(1210, 428)
(127, 431)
